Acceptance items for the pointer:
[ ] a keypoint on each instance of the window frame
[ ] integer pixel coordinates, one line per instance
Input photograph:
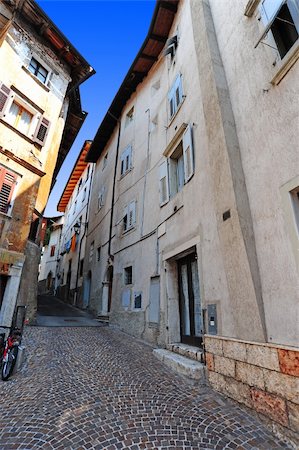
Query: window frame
(175, 96)
(39, 65)
(126, 156)
(128, 276)
(129, 218)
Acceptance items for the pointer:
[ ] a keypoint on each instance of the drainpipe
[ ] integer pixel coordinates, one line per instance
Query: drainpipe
(146, 168)
(84, 233)
(114, 182)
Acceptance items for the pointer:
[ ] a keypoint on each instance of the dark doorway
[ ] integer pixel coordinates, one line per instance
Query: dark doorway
(110, 281)
(3, 282)
(189, 301)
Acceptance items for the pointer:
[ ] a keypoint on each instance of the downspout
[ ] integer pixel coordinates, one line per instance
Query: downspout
(113, 189)
(146, 169)
(84, 234)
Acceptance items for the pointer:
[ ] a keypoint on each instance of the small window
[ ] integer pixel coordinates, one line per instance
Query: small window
(295, 204)
(126, 160)
(129, 219)
(19, 118)
(75, 207)
(137, 300)
(98, 253)
(79, 186)
(8, 181)
(175, 96)
(101, 198)
(38, 70)
(129, 116)
(84, 194)
(91, 250)
(105, 160)
(52, 252)
(170, 46)
(281, 20)
(128, 275)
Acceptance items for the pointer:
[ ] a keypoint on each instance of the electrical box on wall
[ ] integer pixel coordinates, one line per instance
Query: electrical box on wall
(212, 319)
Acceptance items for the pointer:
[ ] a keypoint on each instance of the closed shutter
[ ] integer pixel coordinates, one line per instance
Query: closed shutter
(7, 184)
(5, 94)
(163, 183)
(188, 154)
(42, 130)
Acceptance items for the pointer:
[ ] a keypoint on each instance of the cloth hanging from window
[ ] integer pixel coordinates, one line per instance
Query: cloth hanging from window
(73, 243)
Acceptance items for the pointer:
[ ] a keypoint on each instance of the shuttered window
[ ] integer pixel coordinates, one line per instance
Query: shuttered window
(5, 94)
(7, 184)
(175, 96)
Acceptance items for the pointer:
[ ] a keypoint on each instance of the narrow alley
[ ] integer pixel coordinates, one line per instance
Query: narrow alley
(97, 388)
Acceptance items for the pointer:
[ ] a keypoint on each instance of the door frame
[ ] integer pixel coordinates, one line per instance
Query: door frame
(192, 339)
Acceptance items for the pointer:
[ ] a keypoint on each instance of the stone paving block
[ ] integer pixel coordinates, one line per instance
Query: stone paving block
(262, 356)
(225, 366)
(270, 405)
(213, 345)
(234, 350)
(289, 361)
(284, 385)
(293, 411)
(249, 374)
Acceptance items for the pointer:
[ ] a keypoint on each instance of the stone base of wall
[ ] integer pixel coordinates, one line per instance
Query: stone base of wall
(264, 377)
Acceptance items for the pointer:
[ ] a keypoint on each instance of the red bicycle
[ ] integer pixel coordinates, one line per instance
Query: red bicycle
(9, 348)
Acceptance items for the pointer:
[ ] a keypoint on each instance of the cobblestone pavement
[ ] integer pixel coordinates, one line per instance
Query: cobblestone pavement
(97, 388)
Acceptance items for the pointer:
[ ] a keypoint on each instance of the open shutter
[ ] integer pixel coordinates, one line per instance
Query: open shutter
(5, 94)
(7, 184)
(163, 183)
(188, 154)
(132, 214)
(42, 130)
(126, 219)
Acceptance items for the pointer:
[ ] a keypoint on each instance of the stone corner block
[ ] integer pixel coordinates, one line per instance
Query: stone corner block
(289, 361)
(213, 345)
(270, 405)
(293, 416)
(249, 374)
(262, 356)
(210, 362)
(234, 350)
(225, 366)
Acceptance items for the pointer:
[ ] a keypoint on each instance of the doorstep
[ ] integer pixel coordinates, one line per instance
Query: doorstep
(183, 365)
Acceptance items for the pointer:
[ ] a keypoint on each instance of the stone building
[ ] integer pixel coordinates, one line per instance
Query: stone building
(49, 276)
(194, 205)
(40, 116)
(74, 204)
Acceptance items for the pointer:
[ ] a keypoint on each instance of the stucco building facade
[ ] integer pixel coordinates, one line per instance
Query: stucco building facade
(194, 203)
(40, 116)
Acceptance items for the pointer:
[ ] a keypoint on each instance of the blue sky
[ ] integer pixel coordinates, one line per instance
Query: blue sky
(108, 34)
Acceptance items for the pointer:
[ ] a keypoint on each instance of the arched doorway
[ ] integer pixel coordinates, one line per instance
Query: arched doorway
(87, 290)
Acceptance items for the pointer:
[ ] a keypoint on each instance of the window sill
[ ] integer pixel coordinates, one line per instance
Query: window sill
(40, 83)
(286, 64)
(22, 135)
(122, 175)
(128, 230)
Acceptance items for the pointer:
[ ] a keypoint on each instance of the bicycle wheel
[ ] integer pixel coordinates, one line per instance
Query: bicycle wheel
(9, 364)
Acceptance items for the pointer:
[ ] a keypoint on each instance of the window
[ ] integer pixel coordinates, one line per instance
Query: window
(170, 46)
(98, 253)
(105, 160)
(178, 168)
(52, 252)
(126, 160)
(128, 275)
(101, 198)
(137, 300)
(295, 204)
(129, 116)
(38, 70)
(129, 219)
(175, 96)
(8, 181)
(84, 195)
(75, 207)
(18, 113)
(91, 250)
(281, 20)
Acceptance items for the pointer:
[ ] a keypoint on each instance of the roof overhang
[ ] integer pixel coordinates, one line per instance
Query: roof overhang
(154, 43)
(79, 167)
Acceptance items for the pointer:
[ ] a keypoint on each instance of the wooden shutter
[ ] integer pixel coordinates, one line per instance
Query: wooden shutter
(163, 183)
(42, 130)
(132, 214)
(5, 94)
(188, 154)
(7, 184)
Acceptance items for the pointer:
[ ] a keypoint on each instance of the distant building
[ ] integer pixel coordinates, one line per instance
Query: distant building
(193, 230)
(74, 204)
(40, 116)
(49, 278)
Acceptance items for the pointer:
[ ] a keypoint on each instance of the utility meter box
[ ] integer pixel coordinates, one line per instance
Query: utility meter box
(212, 319)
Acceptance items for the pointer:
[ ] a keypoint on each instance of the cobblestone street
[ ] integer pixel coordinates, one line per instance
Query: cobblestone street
(97, 388)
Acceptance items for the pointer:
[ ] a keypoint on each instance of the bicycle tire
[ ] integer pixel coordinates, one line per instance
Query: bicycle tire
(8, 366)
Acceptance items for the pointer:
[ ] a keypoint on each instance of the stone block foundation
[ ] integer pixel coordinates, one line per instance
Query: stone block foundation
(264, 377)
